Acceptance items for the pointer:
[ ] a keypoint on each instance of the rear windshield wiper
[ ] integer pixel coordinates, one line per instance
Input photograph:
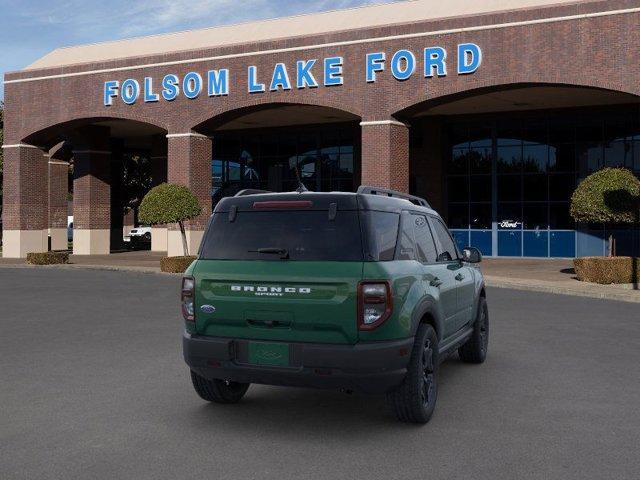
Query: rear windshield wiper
(284, 254)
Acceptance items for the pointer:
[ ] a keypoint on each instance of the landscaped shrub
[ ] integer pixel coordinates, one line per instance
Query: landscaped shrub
(607, 270)
(169, 203)
(608, 196)
(175, 264)
(48, 258)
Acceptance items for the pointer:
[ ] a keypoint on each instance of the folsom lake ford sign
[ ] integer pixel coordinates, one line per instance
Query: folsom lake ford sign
(309, 73)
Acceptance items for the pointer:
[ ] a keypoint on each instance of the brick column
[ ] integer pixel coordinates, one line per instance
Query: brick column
(385, 154)
(58, 190)
(427, 163)
(158, 175)
(92, 192)
(189, 164)
(24, 201)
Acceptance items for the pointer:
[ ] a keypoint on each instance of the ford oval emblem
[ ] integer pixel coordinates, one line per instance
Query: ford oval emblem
(207, 308)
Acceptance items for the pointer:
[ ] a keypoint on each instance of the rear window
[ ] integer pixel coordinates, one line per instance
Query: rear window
(306, 235)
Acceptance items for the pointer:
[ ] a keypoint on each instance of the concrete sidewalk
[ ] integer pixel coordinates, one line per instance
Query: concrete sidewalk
(539, 275)
(551, 276)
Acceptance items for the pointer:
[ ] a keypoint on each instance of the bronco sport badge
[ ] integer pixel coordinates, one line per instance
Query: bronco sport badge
(273, 291)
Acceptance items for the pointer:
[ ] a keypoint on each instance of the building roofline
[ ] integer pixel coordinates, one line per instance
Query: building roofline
(296, 26)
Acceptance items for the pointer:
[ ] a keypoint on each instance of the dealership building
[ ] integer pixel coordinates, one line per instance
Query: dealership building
(493, 110)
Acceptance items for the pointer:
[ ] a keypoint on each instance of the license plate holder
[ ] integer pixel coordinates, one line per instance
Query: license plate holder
(269, 354)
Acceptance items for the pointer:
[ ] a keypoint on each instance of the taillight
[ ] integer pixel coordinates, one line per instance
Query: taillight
(188, 288)
(375, 304)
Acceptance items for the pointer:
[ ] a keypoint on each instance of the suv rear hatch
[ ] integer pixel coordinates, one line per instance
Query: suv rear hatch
(283, 269)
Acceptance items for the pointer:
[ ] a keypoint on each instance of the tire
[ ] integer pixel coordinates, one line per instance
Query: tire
(415, 399)
(218, 391)
(147, 237)
(475, 350)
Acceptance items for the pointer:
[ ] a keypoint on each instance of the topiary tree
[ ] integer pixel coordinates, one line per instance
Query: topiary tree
(169, 203)
(610, 195)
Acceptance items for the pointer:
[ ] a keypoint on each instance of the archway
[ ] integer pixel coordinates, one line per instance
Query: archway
(500, 164)
(113, 163)
(275, 146)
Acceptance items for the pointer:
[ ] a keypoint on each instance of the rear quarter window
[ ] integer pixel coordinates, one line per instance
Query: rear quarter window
(382, 234)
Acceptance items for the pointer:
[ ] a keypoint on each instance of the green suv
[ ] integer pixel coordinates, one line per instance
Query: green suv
(361, 291)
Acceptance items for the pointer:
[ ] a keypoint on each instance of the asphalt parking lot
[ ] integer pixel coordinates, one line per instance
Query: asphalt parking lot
(93, 386)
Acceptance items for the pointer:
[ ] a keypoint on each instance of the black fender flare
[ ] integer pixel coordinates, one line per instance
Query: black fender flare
(427, 306)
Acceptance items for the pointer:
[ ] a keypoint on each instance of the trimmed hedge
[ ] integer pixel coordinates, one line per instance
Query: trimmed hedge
(610, 195)
(607, 270)
(176, 264)
(48, 258)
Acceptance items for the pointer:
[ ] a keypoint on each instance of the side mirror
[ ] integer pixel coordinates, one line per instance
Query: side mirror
(471, 255)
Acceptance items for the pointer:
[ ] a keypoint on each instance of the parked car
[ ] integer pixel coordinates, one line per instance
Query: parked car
(358, 291)
(139, 237)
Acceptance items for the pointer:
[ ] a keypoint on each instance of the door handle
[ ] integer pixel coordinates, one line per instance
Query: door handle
(459, 277)
(436, 282)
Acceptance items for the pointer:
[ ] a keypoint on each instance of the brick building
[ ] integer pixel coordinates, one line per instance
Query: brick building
(493, 110)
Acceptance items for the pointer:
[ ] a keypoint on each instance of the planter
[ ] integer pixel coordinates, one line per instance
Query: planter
(175, 264)
(607, 270)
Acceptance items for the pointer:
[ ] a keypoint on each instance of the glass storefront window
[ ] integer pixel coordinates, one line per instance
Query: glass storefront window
(562, 157)
(509, 188)
(510, 159)
(458, 215)
(480, 217)
(618, 154)
(323, 158)
(480, 188)
(535, 158)
(458, 189)
(510, 215)
(480, 159)
(535, 187)
(535, 216)
(460, 161)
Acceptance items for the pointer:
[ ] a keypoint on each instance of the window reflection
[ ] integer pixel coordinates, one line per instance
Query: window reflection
(538, 163)
(323, 159)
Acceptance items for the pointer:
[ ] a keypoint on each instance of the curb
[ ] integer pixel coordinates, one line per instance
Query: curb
(605, 292)
(112, 268)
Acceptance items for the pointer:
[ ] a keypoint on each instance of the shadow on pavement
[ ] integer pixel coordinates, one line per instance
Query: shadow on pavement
(273, 409)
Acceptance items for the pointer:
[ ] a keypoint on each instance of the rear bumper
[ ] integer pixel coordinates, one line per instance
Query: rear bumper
(374, 367)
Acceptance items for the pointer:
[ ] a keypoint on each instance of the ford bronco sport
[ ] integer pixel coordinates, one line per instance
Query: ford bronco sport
(361, 291)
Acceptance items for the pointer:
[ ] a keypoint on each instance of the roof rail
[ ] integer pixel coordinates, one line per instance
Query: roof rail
(250, 191)
(365, 189)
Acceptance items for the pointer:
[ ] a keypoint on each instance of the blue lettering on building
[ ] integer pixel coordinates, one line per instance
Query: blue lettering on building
(402, 66)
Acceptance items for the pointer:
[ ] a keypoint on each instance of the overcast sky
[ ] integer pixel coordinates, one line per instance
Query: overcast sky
(31, 28)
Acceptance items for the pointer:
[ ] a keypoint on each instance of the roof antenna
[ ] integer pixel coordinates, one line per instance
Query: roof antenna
(301, 188)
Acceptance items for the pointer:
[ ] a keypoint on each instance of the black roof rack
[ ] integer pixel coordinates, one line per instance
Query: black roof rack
(250, 191)
(365, 189)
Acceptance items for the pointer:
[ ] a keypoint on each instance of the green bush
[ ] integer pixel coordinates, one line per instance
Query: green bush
(610, 195)
(175, 264)
(607, 270)
(47, 258)
(169, 203)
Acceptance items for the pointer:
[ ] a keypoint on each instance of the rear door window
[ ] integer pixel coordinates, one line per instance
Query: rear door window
(446, 247)
(424, 240)
(406, 241)
(306, 235)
